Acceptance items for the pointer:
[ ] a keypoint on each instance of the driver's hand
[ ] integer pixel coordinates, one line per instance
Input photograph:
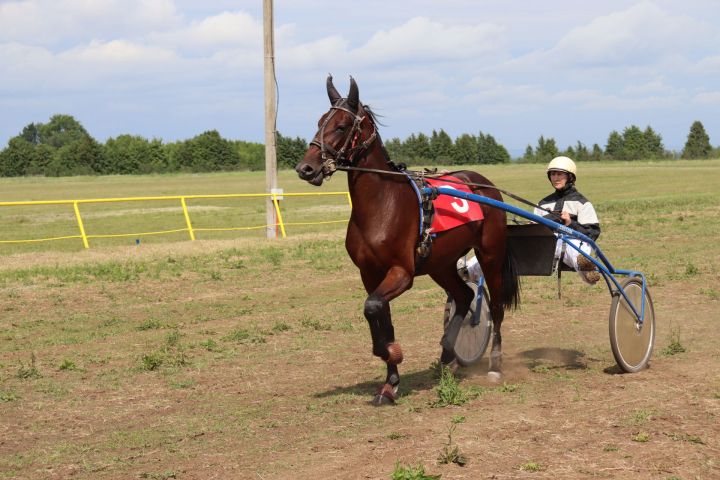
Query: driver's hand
(565, 217)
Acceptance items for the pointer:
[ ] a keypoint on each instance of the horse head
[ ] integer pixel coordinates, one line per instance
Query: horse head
(344, 132)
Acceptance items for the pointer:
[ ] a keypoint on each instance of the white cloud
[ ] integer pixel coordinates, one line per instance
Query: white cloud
(326, 51)
(421, 39)
(118, 52)
(656, 86)
(225, 30)
(708, 65)
(707, 98)
(638, 35)
(52, 22)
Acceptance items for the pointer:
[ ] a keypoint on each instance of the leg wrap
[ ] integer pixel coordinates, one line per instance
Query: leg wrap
(395, 356)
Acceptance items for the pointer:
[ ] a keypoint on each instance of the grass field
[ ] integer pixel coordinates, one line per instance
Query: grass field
(250, 358)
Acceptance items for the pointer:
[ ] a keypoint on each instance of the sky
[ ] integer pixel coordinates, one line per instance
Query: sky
(172, 69)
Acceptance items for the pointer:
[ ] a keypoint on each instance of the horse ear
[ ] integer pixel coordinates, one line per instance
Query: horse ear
(354, 96)
(332, 91)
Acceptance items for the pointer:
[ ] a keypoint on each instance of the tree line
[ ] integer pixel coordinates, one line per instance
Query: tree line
(632, 144)
(62, 147)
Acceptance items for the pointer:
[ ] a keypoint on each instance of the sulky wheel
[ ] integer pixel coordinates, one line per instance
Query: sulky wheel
(631, 342)
(472, 341)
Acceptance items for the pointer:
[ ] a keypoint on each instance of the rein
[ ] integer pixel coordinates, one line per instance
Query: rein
(421, 175)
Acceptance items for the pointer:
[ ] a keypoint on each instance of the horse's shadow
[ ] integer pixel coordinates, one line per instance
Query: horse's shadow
(411, 383)
(421, 380)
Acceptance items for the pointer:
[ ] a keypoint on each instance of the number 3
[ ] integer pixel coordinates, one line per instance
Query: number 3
(461, 207)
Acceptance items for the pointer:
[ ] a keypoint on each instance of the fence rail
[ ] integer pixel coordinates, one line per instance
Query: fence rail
(183, 199)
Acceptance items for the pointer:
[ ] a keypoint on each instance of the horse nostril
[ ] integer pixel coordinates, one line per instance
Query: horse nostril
(305, 170)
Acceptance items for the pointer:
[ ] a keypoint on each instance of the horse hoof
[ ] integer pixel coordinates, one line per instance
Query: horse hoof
(385, 396)
(382, 400)
(494, 376)
(447, 357)
(495, 362)
(395, 354)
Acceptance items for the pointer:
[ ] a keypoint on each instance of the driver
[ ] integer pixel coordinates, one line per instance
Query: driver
(569, 207)
(572, 209)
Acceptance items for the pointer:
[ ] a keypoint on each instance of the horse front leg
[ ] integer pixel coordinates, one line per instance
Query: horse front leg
(377, 312)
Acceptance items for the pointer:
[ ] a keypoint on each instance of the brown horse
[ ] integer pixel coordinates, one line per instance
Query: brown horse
(383, 233)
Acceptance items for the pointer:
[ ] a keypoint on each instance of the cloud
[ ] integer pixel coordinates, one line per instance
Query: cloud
(227, 30)
(656, 86)
(421, 39)
(56, 22)
(707, 98)
(638, 35)
(118, 52)
(708, 65)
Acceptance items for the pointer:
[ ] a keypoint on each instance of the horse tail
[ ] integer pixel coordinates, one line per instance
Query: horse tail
(510, 281)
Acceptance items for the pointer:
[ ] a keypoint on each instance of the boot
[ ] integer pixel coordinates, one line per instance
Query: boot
(588, 269)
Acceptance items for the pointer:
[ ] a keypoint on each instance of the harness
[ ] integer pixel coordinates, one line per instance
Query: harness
(427, 212)
(350, 150)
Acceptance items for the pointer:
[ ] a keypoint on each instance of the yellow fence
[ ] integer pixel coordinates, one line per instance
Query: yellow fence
(275, 197)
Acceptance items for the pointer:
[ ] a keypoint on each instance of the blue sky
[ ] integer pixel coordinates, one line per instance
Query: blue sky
(171, 69)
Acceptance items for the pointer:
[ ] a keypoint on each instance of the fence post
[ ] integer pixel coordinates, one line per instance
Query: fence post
(187, 219)
(349, 200)
(80, 224)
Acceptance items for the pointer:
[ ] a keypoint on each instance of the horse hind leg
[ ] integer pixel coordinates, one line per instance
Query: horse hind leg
(492, 271)
(462, 295)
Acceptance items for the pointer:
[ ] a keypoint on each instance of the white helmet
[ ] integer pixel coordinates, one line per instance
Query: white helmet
(562, 164)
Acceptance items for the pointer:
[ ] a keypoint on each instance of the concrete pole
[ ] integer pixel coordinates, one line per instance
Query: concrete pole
(270, 117)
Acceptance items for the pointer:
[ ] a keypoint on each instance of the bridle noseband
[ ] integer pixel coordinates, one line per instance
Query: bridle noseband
(350, 149)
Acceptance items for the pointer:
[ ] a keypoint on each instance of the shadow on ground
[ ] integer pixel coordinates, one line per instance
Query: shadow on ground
(409, 383)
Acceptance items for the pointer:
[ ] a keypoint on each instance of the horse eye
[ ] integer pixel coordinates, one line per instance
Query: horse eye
(340, 128)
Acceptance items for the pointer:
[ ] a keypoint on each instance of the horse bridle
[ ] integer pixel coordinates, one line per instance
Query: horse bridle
(348, 153)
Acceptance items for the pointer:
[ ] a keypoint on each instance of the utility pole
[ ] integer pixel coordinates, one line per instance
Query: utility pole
(270, 117)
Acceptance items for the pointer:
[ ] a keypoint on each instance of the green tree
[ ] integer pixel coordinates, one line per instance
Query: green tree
(698, 142)
(417, 148)
(47, 149)
(16, 158)
(441, 147)
(634, 144)
(653, 143)
(207, 152)
(251, 154)
(529, 155)
(61, 130)
(615, 146)
(130, 154)
(80, 157)
(546, 150)
(597, 153)
(290, 151)
(489, 151)
(466, 150)
(570, 152)
(396, 150)
(31, 133)
(581, 152)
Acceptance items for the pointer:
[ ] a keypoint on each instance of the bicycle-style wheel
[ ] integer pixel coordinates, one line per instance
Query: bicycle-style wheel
(631, 342)
(473, 339)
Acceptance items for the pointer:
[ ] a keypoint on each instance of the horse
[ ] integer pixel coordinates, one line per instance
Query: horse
(383, 234)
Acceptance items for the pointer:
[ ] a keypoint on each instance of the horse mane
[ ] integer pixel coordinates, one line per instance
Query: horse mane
(373, 116)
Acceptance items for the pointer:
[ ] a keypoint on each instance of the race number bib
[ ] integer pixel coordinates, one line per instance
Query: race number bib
(451, 212)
